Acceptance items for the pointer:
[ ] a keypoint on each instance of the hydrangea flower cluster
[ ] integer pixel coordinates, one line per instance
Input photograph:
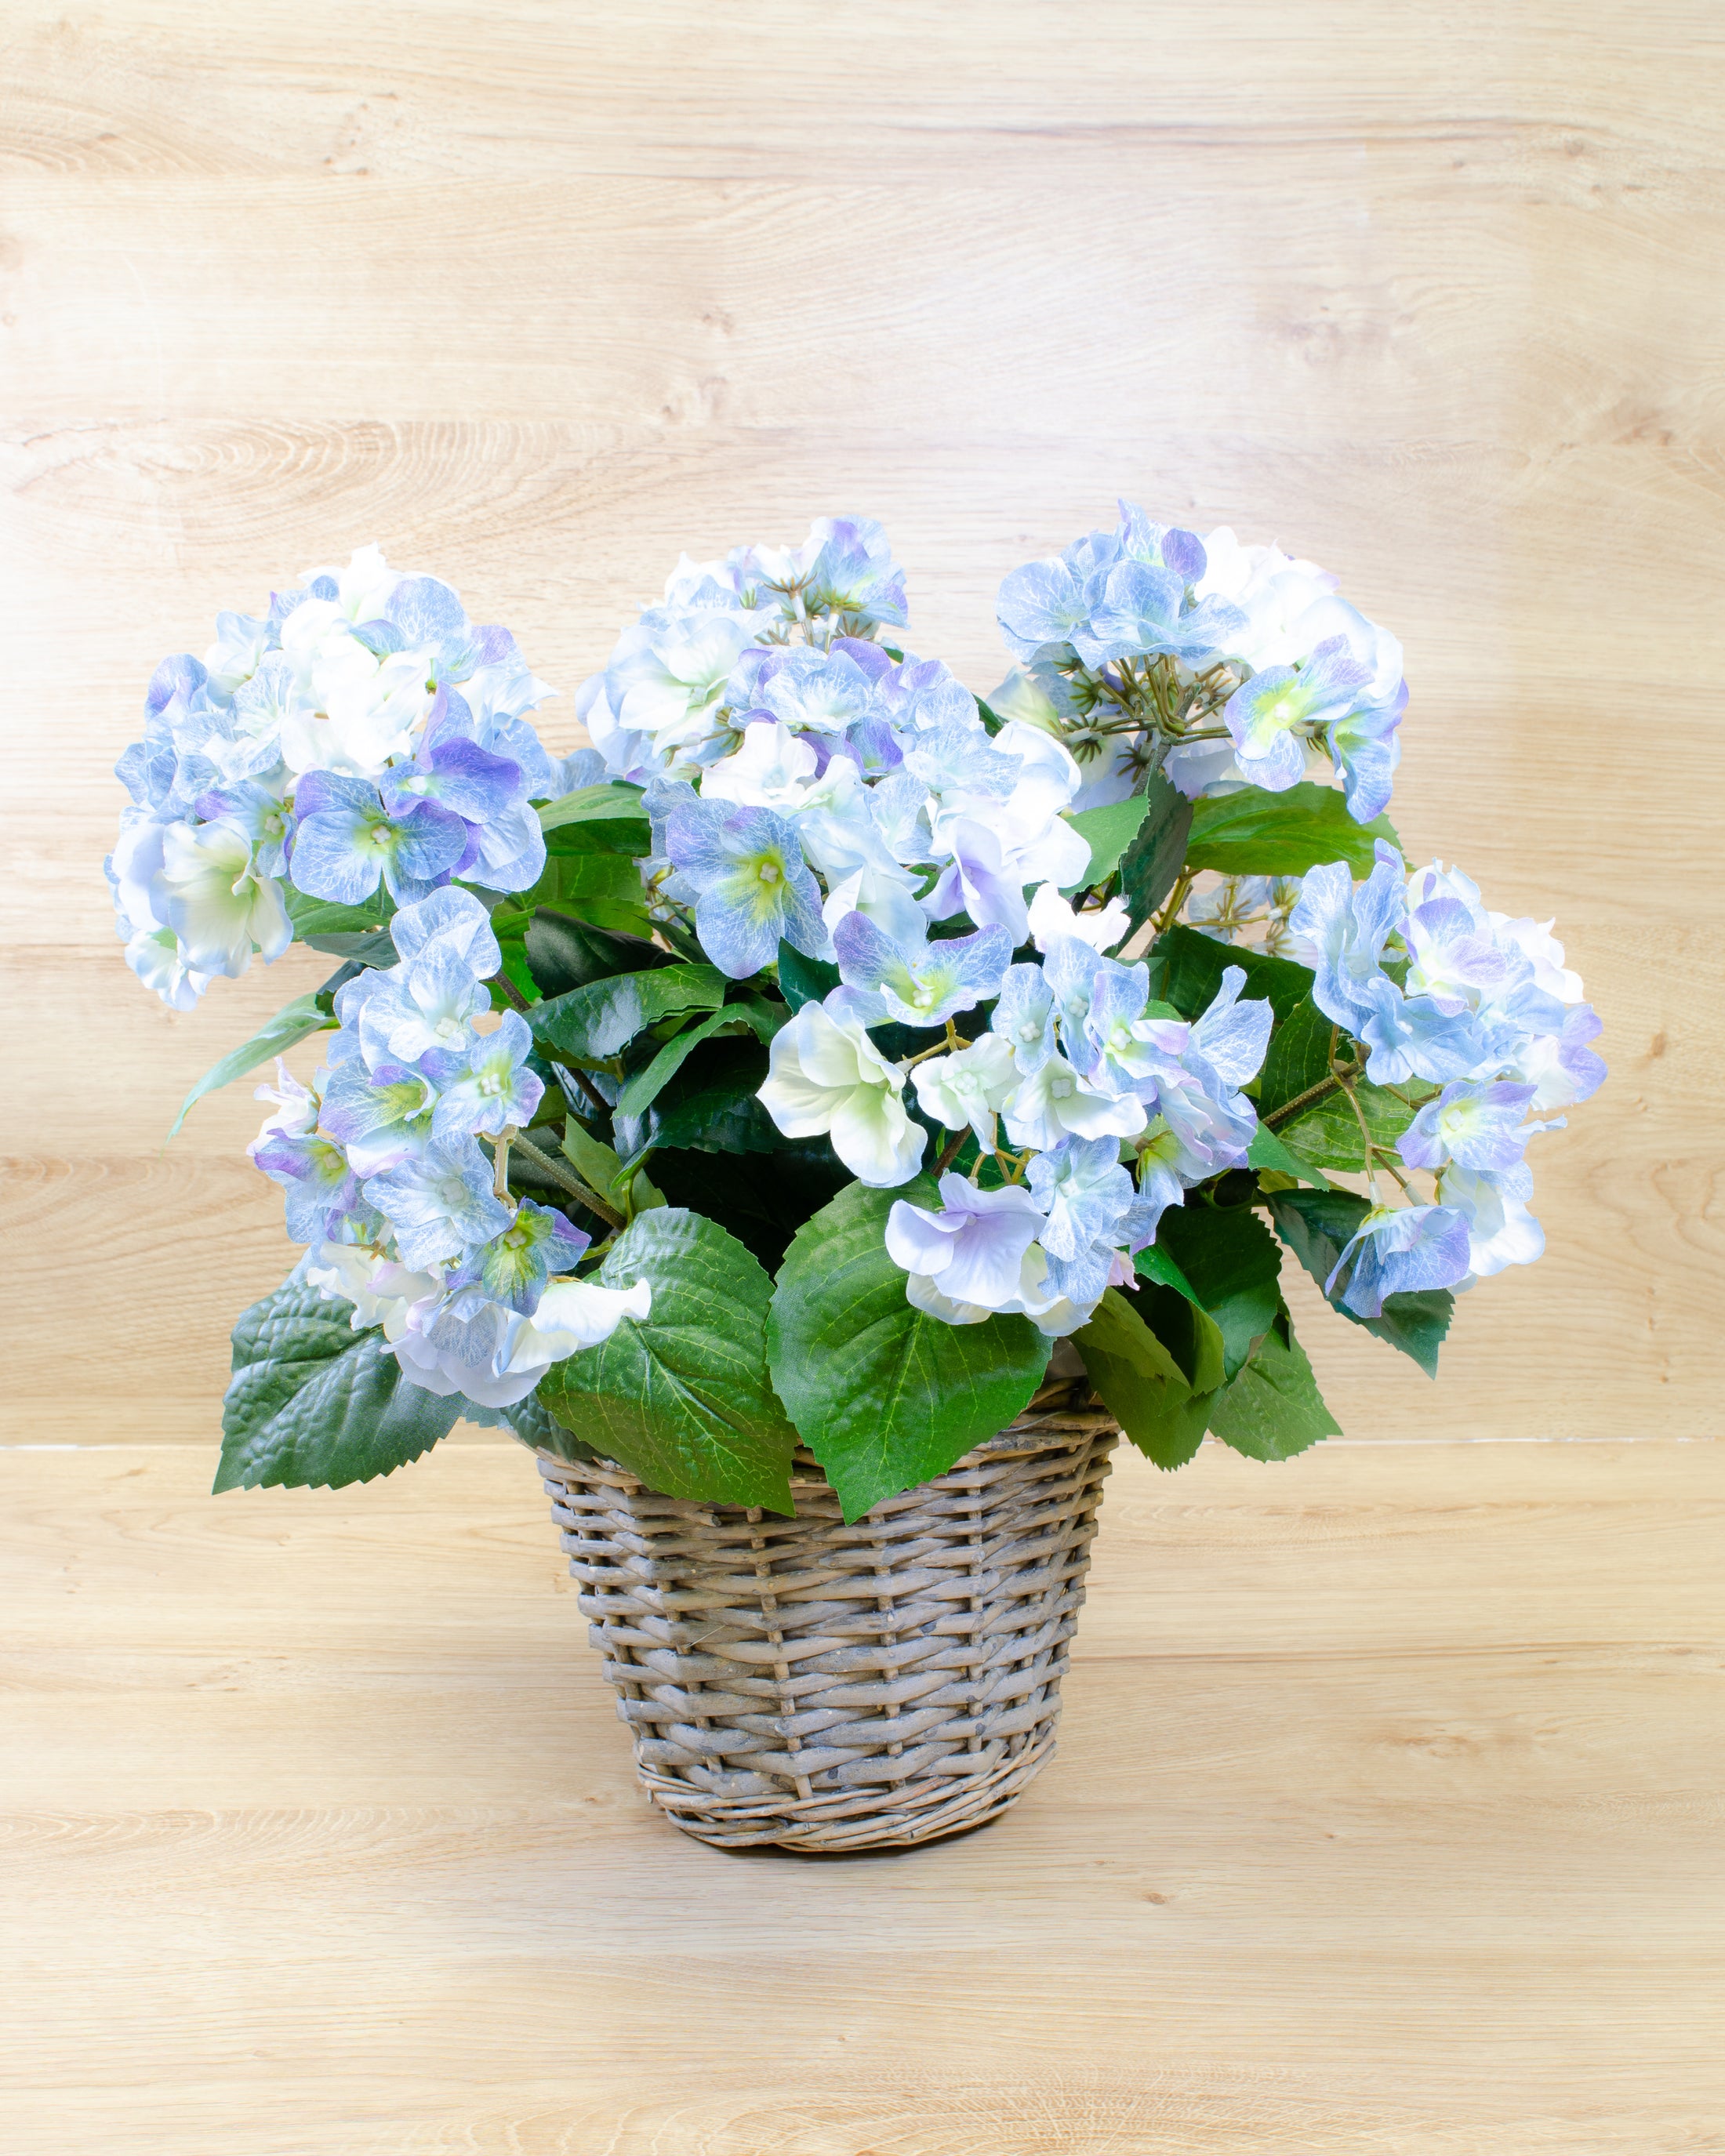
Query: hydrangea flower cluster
(1148, 649)
(405, 1216)
(360, 732)
(1437, 992)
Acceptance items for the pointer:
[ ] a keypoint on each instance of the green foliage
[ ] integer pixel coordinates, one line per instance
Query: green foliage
(614, 803)
(763, 1020)
(1151, 863)
(1299, 1056)
(627, 1186)
(593, 1023)
(1327, 1135)
(313, 1402)
(1186, 969)
(884, 1395)
(1254, 832)
(1108, 831)
(804, 980)
(1233, 1266)
(682, 1397)
(1317, 1226)
(1273, 1409)
(293, 1023)
(1267, 1151)
(709, 1104)
(1146, 1392)
(565, 953)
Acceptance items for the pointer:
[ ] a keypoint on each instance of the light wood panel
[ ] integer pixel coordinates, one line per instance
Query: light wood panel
(541, 296)
(1385, 1822)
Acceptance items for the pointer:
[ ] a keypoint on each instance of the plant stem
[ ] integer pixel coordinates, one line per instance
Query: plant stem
(566, 1071)
(568, 1181)
(951, 1152)
(1339, 1077)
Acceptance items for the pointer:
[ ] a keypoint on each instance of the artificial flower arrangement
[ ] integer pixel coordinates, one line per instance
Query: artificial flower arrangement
(806, 1058)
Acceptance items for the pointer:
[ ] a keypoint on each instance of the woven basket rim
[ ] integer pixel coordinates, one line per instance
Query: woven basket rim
(1062, 1417)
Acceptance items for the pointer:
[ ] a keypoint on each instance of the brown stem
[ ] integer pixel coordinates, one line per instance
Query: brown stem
(572, 1184)
(587, 1085)
(950, 1153)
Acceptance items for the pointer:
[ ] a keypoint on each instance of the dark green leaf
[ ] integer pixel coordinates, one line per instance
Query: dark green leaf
(1328, 1134)
(1146, 1391)
(763, 1020)
(565, 953)
(1273, 1409)
(313, 1402)
(1317, 1226)
(1182, 1324)
(594, 1022)
(1267, 1150)
(1186, 969)
(1151, 862)
(295, 1021)
(682, 1398)
(804, 980)
(1108, 831)
(1253, 833)
(1299, 1056)
(886, 1396)
(762, 1201)
(709, 1104)
(1233, 1265)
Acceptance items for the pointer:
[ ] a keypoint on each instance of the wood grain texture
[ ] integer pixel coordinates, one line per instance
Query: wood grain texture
(1385, 1822)
(540, 298)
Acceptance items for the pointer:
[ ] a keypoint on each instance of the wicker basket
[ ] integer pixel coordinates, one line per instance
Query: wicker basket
(829, 1687)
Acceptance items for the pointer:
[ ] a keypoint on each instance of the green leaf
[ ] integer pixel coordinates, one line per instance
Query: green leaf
(1108, 831)
(312, 1401)
(884, 1395)
(615, 801)
(1317, 1226)
(1146, 1391)
(1186, 969)
(324, 916)
(1151, 862)
(709, 1104)
(1233, 1265)
(1156, 1264)
(295, 1021)
(1298, 1058)
(1253, 833)
(763, 1020)
(565, 953)
(593, 1023)
(1266, 1150)
(1328, 1134)
(804, 980)
(628, 1188)
(682, 1398)
(1273, 1409)
(604, 889)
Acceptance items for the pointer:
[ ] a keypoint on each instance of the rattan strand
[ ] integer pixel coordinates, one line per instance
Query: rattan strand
(828, 1687)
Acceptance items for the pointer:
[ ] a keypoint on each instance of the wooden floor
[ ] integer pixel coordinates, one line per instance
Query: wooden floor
(1387, 1819)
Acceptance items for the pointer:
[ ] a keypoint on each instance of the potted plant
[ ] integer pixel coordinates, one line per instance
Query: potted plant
(821, 1114)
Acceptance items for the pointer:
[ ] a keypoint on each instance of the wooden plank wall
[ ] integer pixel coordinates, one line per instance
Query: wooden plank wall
(539, 295)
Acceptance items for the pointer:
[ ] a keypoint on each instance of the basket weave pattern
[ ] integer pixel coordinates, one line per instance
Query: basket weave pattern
(830, 1687)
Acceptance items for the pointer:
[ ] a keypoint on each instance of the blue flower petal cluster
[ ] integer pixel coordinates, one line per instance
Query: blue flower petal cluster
(362, 732)
(385, 1176)
(1439, 991)
(1150, 649)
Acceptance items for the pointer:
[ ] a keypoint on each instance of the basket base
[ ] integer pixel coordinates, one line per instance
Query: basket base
(831, 1827)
